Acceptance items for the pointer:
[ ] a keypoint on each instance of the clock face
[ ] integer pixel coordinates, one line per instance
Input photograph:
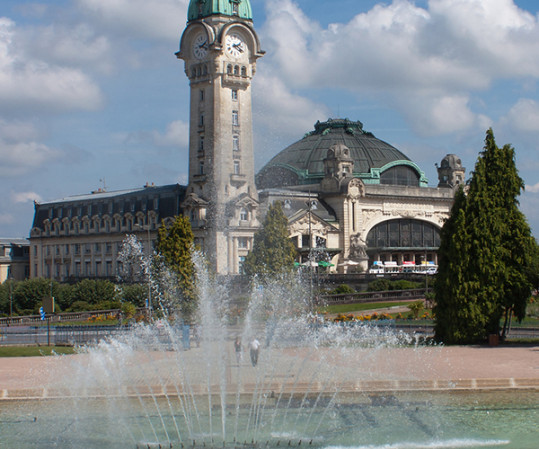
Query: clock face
(234, 45)
(200, 46)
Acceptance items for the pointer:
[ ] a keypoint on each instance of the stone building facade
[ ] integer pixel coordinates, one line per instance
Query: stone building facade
(350, 198)
(14, 259)
(80, 236)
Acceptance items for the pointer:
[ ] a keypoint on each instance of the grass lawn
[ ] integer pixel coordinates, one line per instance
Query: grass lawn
(34, 351)
(359, 307)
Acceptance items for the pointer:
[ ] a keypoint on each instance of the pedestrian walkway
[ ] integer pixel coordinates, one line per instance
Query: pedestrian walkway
(353, 369)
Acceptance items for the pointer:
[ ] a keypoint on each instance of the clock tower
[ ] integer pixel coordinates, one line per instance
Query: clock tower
(220, 48)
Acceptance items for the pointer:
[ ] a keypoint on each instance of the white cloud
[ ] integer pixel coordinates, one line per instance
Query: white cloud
(422, 60)
(25, 197)
(20, 150)
(176, 134)
(435, 115)
(75, 45)
(279, 113)
(37, 85)
(22, 157)
(524, 115)
(156, 19)
(533, 189)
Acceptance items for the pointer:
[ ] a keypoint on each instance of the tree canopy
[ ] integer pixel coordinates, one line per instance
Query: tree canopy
(272, 252)
(175, 246)
(486, 245)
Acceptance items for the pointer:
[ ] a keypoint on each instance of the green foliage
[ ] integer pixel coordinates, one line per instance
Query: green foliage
(382, 285)
(134, 293)
(379, 285)
(86, 295)
(129, 310)
(273, 253)
(341, 289)
(532, 270)
(485, 248)
(28, 295)
(175, 246)
(94, 291)
(80, 306)
(416, 307)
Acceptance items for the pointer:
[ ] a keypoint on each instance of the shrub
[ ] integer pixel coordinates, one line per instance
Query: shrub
(343, 288)
(129, 309)
(80, 306)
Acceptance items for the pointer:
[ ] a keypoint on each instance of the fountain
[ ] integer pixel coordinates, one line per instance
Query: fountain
(315, 384)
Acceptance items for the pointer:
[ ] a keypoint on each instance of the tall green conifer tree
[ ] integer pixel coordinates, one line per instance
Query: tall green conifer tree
(272, 252)
(175, 245)
(486, 245)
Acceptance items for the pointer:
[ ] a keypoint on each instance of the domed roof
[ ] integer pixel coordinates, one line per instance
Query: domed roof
(199, 9)
(303, 161)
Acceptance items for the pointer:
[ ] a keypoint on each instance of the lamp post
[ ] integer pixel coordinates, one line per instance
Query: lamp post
(10, 279)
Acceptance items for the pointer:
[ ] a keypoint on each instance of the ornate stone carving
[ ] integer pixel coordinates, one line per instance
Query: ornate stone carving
(358, 247)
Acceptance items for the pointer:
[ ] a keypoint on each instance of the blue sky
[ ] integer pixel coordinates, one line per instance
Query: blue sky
(91, 94)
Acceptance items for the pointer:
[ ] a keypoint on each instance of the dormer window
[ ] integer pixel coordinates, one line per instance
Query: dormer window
(244, 215)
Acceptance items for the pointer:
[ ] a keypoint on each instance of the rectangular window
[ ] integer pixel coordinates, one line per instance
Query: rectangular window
(201, 120)
(201, 95)
(201, 168)
(236, 143)
(201, 143)
(243, 242)
(234, 94)
(235, 118)
(236, 167)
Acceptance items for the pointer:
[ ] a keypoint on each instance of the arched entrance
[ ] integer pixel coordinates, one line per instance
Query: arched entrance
(403, 240)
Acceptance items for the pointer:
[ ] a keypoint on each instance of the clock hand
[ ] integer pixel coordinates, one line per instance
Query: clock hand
(238, 47)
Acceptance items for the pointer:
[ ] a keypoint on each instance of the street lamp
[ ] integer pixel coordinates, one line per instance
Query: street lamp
(10, 279)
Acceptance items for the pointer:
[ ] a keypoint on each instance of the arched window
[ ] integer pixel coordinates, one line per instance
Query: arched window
(244, 214)
(229, 69)
(236, 70)
(404, 233)
(244, 71)
(400, 175)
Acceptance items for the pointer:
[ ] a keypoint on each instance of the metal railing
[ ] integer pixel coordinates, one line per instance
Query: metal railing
(365, 297)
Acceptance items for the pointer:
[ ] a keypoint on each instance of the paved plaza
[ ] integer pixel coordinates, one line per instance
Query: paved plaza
(354, 369)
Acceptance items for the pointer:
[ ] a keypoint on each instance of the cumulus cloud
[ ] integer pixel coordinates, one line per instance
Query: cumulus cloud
(25, 197)
(524, 115)
(279, 113)
(20, 150)
(22, 157)
(422, 60)
(533, 189)
(38, 85)
(78, 45)
(176, 134)
(158, 19)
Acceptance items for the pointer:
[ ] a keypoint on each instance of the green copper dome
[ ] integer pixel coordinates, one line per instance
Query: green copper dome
(375, 161)
(198, 9)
